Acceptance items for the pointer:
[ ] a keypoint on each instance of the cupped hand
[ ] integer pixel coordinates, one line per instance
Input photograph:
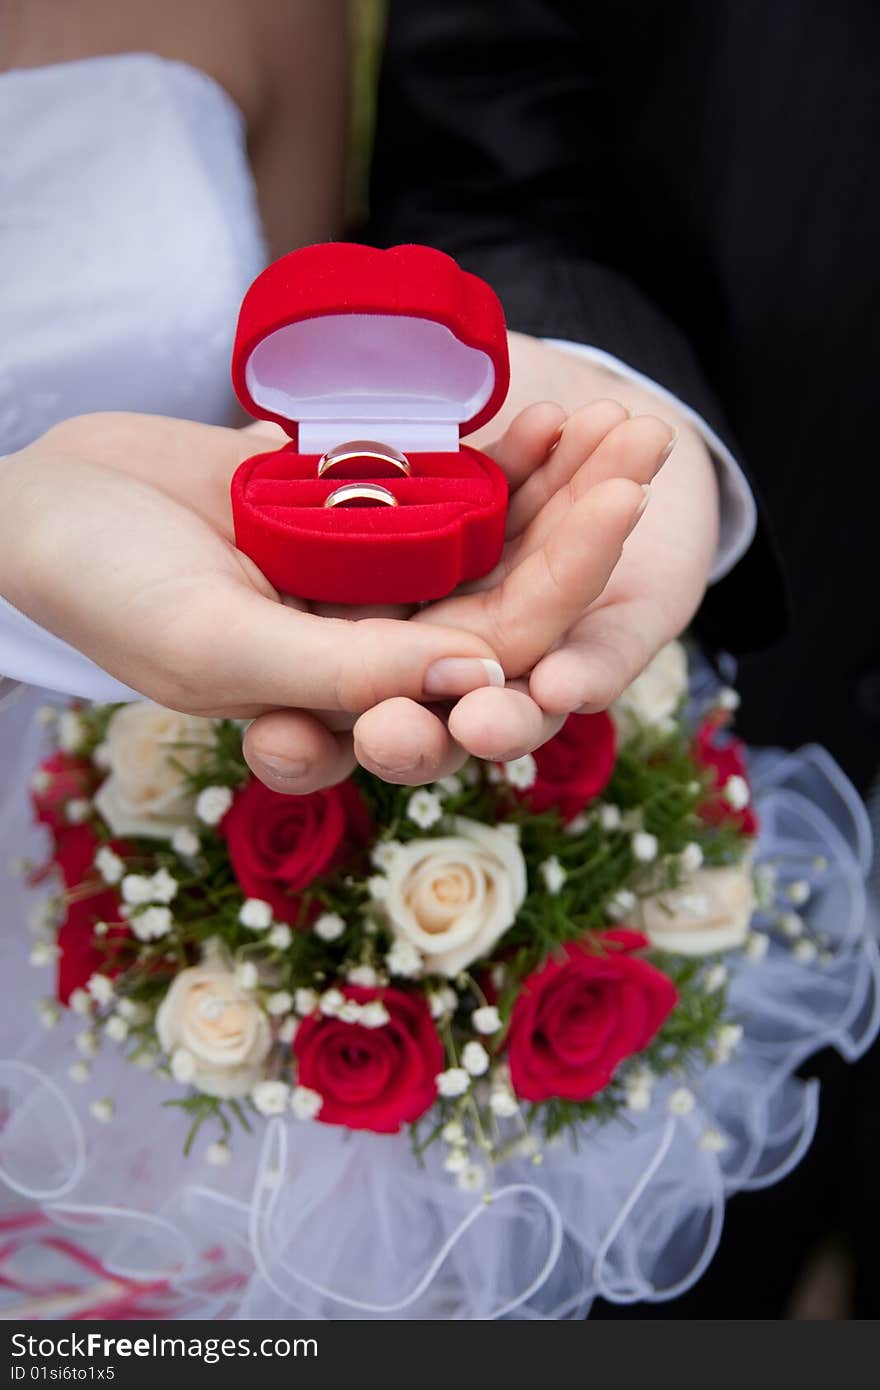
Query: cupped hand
(116, 535)
(578, 490)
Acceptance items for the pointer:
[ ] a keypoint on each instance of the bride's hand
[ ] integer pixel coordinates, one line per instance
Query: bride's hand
(115, 534)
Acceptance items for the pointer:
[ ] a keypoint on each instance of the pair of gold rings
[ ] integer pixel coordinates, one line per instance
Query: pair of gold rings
(362, 460)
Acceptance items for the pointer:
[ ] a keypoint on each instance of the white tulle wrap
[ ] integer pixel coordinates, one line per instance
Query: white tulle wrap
(311, 1221)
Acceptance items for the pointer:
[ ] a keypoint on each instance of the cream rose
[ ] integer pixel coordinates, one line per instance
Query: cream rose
(216, 1034)
(148, 751)
(654, 695)
(453, 897)
(710, 912)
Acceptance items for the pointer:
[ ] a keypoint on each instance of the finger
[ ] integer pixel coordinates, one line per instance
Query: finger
(501, 725)
(581, 434)
(541, 598)
(608, 649)
(292, 752)
(402, 742)
(527, 440)
(636, 449)
(256, 655)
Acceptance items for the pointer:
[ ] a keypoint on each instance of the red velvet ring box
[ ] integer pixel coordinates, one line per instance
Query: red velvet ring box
(341, 342)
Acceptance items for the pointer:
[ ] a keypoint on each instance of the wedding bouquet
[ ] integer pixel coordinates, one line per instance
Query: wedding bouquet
(489, 961)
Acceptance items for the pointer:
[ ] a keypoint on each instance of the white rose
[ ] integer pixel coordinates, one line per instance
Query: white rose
(709, 912)
(223, 1030)
(655, 695)
(145, 792)
(453, 897)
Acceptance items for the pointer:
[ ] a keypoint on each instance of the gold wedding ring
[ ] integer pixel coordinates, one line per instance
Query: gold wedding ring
(361, 495)
(363, 458)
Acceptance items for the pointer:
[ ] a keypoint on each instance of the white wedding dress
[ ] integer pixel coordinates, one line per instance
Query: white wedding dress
(128, 232)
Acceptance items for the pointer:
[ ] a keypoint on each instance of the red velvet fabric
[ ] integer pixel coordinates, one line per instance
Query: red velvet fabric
(449, 524)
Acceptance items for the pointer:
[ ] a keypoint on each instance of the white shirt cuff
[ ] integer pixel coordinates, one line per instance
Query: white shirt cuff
(31, 654)
(738, 514)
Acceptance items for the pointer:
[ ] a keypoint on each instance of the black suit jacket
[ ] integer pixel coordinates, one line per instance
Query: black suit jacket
(692, 187)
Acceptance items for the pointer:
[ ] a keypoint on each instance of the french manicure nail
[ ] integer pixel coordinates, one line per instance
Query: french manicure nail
(669, 447)
(639, 511)
(452, 676)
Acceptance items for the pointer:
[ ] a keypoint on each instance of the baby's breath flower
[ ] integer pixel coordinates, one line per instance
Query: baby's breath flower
(621, 904)
(682, 1101)
(329, 926)
(475, 1058)
(152, 924)
(78, 810)
(453, 1132)
(736, 792)
(384, 853)
(279, 1003)
(137, 889)
(87, 1043)
(280, 936)
(48, 1012)
(424, 808)
(287, 1031)
(799, 892)
(71, 731)
(271, 1097)
(305, 1001)
(644, 847)
(212, 804)
(486, 1020)
(331, 1001)
(365, 975)
(442, 1001)
(715, 977)
(185, 842)
(79, 1072)
(374, 1014)
(109, 865)
(218, 1154)
(691, 857)
(305, 1103)
(103, 1110)
(453, 1082)
(503, 1103)
(448, 786)
(472, 1178)
(80, 1001)
(791, 924)
(553, 874)
(255, 914)
(521, 772)
(456, 1161)
(164, 887)
(100, 988)
(403, 959)
(116, 1028)
(43, 953)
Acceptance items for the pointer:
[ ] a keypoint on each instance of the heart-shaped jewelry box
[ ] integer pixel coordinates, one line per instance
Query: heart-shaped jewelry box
(340, 343)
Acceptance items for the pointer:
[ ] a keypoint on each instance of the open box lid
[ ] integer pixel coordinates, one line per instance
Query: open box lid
(339, 341)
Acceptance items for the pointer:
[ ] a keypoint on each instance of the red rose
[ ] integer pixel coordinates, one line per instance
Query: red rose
(581, 1015)
(279, 844)
(574, 766)
(372, 1078)
(723, 760)
(82, 953)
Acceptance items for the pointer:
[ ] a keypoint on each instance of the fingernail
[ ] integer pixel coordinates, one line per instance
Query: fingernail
(646, 497)
(285, 769)
(669, 447)
(456, 675)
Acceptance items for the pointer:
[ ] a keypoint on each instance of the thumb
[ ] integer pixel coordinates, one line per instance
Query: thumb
(265, 655)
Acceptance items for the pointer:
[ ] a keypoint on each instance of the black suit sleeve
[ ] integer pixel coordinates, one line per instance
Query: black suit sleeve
(489, 145)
